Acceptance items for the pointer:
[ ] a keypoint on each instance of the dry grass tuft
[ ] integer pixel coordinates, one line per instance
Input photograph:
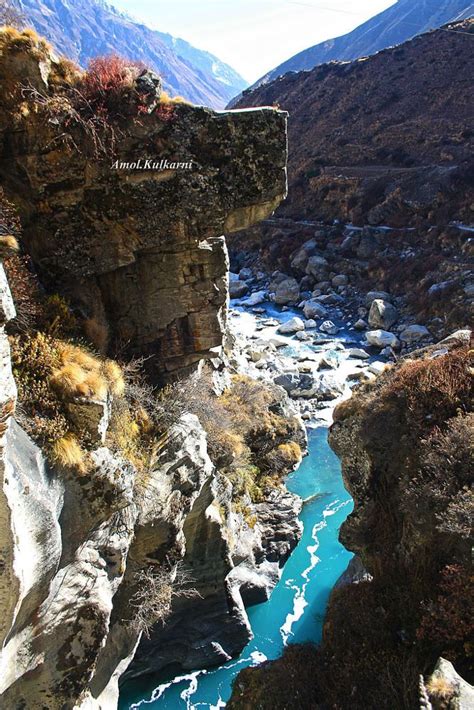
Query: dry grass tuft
(66, 452)
(113, 373)
(8, 246)
(439, 688)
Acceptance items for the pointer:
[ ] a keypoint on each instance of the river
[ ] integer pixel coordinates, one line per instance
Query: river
(294, 613)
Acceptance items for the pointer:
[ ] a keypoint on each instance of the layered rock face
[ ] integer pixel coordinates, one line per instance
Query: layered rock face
(138, 248)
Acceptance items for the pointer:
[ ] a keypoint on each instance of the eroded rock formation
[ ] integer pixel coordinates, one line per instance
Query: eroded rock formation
(138, 250)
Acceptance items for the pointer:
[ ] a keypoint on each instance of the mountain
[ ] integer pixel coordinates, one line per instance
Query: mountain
(82, 29)
(400, 22)
(386, 139)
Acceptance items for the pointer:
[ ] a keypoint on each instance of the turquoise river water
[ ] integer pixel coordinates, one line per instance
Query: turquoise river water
(295, 610)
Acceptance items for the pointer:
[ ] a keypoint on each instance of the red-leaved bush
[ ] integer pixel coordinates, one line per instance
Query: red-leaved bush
(107, 83)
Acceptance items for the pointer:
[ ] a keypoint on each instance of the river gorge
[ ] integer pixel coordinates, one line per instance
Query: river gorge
(295, 611)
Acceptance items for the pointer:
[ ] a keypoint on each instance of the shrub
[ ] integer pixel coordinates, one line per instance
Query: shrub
(447, 621)
(156, 586)
(106, 85)
(50, 373)
(433, 389)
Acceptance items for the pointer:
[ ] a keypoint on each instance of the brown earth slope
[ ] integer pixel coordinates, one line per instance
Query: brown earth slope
(386, 139)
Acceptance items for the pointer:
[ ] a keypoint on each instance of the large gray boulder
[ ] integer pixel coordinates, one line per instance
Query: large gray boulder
(317, 267)
(382, 314)
(314, 309)
(413, 333)
(287, 291)
(238, 289)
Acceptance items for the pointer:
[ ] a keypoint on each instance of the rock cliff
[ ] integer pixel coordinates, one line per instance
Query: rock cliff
(119, 510)
(138, 249)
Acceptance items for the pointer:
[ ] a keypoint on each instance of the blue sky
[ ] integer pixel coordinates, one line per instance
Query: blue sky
(253, 36)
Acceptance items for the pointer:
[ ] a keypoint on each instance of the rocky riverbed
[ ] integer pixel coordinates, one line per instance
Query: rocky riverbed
(316, 344)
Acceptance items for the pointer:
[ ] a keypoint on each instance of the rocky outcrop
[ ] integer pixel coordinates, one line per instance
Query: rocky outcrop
(133, 236)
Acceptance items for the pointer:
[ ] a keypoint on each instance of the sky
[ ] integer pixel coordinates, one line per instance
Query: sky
(253, 36)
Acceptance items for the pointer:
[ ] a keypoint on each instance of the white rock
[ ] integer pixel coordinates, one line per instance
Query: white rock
(310, 323)
(382, 339)
(358, 353)
(377, 367)
(255, 298)
(291, 326)
(329, 327)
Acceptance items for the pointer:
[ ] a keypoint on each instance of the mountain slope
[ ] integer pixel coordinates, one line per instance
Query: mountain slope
(400, 22)
(386, 139)
(87, 28)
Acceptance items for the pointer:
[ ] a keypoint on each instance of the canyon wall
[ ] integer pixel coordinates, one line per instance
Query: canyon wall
(139, 256)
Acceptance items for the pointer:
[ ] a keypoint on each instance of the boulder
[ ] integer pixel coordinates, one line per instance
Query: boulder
(330, 360)
(382, 314)
(255, 298)
(310, 324)
(278, 342)
(299, 259)
(302, 335)
(245, 274)
(291, 326)
(317, 267)
(329, 327)
(313, 309)
(287, 292)
(238, 289)
(382, 339)
(413, 333)
(360, 324)
(329, 388)
(358, 354)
